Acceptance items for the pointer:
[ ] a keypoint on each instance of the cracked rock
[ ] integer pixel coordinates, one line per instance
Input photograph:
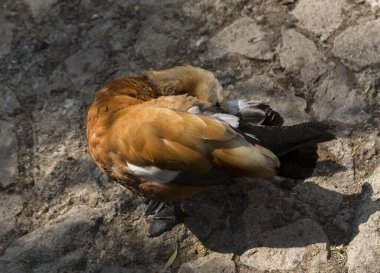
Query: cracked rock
(39, 6)
(243, 37)
(375, 5)
(311, 251)
(10, 206)
(9, 104)
(6, 34)
(300, 55)
(214, 262)
(359, 46)
(321, 16)
(8, 155)
(84, 63)
(363, 253)
(158, 28)
(339, 178)
(336, 100)
(55, 244)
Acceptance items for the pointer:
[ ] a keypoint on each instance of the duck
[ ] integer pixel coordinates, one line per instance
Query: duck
(169, 134)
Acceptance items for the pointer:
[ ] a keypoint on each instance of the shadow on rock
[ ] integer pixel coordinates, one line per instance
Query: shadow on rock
(256, 213)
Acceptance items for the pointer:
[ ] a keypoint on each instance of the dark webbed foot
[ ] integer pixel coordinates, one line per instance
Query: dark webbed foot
(166, 217)
(153, 207)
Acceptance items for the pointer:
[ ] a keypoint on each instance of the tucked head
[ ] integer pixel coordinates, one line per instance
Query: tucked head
(188, 79)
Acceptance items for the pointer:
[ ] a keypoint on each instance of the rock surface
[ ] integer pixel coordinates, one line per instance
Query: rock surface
(358, 46)
(212, 263)
(9, 104)
(10, 206)
(55, 246)
(364, 250)
(303, 232)
(40, 6)
(321, 17)
(310, 60)
(243, 37)
(335, 99)
(8, 155)
(300, 55)
(6, 33)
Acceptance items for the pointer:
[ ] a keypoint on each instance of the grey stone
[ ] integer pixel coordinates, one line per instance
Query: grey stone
(336, 100)
(214, 262)
(321, 16)
(9, 104)
(370, 200)
(311, 253)
(363, 252)
(55, 242)
(10, 206)
(128, 269)
(160, 51)
(39, 6)
(375, 4)
(341, 179)
(326, 202)
(374, 181)
(359, 46)
(243, 37)
(8, 155)
(6, 34)
(72, 261)
(298, 54)
(158, 28)
(84, 63)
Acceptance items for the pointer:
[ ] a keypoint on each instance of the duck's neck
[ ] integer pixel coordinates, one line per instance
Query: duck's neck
(194, 81)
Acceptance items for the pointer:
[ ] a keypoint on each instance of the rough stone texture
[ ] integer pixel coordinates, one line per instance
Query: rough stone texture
(10, 207)
(8, 155)
(55, 246)
(40, 6)
(303, 232)
(158, 28)
(321, 17)
(6, 34)
(243, 37)
(300, 55)
(214, 262)
(9, 104)
(335, 155)
(58, 55)
(375, 4)
(83, 64)
(336, 100)
(359, 46)
(364, 250)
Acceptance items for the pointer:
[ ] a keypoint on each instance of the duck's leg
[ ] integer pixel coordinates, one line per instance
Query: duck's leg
(167, 217)
(153, 207)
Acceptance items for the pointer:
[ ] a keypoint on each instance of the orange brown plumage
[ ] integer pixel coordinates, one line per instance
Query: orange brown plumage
(142, 133)
(130, 122)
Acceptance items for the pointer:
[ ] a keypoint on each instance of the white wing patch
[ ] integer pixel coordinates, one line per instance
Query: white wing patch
(233, 121)
(152, 173)
(235, 106)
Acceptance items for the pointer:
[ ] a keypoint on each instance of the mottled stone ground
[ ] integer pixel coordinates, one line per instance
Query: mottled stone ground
(310, 60)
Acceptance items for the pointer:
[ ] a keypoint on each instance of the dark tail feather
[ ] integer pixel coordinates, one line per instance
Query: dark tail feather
(295, 146)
